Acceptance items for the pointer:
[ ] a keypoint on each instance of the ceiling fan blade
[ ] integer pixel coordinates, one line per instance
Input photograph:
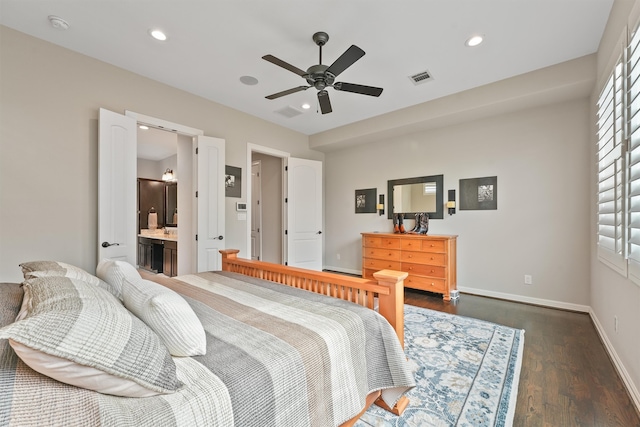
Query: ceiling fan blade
(345, 60)
(285, 65)
(287, 92)
(325, 104)
(361, 89)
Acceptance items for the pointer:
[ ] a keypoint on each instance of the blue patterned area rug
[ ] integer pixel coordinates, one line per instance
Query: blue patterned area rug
(466, 370)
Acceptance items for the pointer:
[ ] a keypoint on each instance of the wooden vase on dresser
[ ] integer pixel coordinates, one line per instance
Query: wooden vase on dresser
(430, 260)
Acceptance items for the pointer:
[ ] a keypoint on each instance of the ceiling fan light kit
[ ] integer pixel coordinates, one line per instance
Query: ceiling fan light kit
(322, 76)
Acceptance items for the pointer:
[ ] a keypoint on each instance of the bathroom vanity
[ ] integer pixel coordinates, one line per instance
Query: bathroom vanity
(158, 251)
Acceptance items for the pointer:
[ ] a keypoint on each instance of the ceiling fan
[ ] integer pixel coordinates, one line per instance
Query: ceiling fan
(323, 76)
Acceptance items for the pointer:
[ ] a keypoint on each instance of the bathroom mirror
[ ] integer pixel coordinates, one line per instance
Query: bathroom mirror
(413, 195)
(171, 204)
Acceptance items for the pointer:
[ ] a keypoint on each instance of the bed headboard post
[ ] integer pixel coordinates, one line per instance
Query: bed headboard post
(392, 306)
(228, 254)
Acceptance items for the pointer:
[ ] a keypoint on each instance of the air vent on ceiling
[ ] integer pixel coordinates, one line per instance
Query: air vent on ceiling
(420, 78)
(289, 111)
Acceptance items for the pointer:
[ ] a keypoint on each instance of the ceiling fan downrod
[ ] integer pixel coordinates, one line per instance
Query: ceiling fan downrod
(320, 38)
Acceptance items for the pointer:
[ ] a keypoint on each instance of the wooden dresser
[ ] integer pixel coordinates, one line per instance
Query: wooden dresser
(430, 260)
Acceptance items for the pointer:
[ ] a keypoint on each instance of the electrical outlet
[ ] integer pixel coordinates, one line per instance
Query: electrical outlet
(528, 280)
(338, 257)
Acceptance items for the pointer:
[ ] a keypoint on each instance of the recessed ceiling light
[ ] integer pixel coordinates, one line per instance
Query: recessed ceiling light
(144, 127)
(249, 80)
(306, 106)
(474, 40)
(158, 35)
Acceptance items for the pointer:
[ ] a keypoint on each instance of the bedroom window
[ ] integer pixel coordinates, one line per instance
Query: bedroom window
(633, 137)
(610, 172)
(618, 159)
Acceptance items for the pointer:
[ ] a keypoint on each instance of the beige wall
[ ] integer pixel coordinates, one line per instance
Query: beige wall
(49, 101)
(541, 227)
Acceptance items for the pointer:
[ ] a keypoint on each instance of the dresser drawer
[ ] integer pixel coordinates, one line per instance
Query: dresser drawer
(424, 270)
(380, 264)
(411, 244)
(423, 258)
(381, 242)
(433, 246)
(425, 283)
(382, 253)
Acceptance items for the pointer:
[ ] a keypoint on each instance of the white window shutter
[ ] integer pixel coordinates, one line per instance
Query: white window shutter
(633, 137)
(611, 224)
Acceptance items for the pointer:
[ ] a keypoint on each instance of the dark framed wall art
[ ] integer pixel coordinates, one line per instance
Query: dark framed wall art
(232, 181)
(366, 200)
(479, 193)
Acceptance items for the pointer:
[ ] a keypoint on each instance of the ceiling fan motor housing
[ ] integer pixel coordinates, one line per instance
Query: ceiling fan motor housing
(318, 77)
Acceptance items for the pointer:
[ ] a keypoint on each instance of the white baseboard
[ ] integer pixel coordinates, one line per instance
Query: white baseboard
(617, 363)
(527, 300)
(342, 270)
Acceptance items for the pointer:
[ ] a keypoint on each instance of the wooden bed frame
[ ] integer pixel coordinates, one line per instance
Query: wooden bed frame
(387, 290)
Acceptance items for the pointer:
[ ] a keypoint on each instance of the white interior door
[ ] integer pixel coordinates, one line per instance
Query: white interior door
(117, 187)
(256, 211)
(304, 213)
(210, 162)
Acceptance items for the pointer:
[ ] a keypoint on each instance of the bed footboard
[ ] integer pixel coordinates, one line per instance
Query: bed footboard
(388, 287)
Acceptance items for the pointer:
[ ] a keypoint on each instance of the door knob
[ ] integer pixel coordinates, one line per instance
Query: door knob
(107, 244)
(319, 232)
(220, 237)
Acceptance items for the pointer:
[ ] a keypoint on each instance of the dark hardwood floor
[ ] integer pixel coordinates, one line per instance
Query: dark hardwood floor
(567, 378)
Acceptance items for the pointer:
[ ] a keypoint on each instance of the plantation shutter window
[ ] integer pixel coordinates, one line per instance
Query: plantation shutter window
(633, 137)
(611, 238)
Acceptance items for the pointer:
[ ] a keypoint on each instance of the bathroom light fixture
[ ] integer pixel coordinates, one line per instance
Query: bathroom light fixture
(158, 35)
(168, 175)
(306, 106)
(474, 40)
(144, 127)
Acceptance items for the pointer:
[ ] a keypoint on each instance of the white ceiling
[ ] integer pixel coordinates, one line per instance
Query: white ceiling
(213, 43)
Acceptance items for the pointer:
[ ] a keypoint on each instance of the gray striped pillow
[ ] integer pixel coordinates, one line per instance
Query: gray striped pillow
(73, 320)
(55, 268)
(168, 314)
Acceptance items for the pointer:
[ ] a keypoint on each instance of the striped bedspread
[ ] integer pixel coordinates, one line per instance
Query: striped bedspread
(276, 356)
(28, 398)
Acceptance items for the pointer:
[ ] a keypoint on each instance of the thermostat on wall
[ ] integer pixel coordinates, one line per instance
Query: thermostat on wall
(241, 207)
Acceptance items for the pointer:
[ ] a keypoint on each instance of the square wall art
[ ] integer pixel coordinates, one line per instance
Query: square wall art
(366, 200)
(479, 193)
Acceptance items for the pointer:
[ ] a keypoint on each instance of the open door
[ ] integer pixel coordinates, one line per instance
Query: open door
(256, 211)
(304, 213)
(117, 141)
(210, 200)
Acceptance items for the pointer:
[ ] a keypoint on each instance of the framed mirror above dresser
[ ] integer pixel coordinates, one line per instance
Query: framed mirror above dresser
(410, 196)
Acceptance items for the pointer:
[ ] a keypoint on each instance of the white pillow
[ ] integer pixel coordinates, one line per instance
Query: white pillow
(167, 314)
(114, 272)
